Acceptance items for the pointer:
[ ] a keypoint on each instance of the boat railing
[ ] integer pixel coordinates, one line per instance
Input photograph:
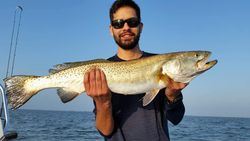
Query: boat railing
(4, 122)
(4, 113)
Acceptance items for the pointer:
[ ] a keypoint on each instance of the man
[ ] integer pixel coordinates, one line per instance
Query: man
(120, 117)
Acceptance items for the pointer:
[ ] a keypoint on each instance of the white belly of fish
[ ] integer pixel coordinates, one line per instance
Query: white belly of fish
(132, 88)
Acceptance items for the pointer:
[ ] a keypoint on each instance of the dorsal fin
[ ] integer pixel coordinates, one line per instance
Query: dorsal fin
(67, 65)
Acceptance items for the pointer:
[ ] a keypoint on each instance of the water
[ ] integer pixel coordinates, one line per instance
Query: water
(33, 125)
(211, 129)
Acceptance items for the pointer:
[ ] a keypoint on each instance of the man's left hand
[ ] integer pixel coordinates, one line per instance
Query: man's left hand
(173, 89)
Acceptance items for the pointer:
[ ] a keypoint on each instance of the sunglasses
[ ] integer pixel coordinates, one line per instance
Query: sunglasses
(132, 22)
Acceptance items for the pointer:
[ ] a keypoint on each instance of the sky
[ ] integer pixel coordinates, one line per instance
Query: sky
(58, 31)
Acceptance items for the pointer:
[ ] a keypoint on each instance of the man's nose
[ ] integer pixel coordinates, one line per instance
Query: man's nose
(125, 27)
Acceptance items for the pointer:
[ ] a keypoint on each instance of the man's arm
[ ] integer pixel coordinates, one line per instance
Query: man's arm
(96, 87)
(175, 107)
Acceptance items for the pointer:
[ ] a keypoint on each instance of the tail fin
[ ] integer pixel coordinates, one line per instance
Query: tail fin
(16, 91)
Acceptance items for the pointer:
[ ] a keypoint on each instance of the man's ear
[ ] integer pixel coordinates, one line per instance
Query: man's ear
(111, 30)
(141, 27)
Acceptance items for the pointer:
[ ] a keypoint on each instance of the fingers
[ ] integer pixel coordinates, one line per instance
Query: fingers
(183, 85)
(95, 83)
(176, 85)
(92, 79)
(98, 82)
(104, 86)
(86, 82)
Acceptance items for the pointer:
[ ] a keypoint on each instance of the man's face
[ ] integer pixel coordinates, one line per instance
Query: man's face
(128, 35)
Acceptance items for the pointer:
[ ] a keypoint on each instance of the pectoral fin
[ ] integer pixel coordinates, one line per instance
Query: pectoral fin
(66, 95)
(150, 96)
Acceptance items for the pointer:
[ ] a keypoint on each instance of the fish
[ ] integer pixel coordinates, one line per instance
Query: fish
(145, 75)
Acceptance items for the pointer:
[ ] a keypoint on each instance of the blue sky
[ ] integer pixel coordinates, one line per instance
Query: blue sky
(53, 32)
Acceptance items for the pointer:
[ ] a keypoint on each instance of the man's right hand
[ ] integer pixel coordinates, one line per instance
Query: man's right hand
(95, 84)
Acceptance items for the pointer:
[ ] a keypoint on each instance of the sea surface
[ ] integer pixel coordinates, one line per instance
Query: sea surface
(35, 125)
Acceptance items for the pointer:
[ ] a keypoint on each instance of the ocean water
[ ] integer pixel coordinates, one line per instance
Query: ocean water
(34, 125)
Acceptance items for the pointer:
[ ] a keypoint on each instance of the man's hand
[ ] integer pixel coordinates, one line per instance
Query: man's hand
(174, 89)
(95, 84)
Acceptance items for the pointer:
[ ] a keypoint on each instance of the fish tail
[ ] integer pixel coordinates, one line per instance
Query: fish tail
(17, 91)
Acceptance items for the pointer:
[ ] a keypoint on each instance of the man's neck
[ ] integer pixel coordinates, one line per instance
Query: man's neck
(130, 54)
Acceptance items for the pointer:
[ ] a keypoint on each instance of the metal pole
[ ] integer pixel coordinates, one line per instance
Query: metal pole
(17, 35)
(11, 41)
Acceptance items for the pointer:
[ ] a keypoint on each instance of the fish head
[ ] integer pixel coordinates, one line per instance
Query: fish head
(184, 66)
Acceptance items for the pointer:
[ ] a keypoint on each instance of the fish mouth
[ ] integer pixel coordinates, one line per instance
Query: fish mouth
(204, 64)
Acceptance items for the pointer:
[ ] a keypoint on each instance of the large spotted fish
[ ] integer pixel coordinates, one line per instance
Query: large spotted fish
(146, 75)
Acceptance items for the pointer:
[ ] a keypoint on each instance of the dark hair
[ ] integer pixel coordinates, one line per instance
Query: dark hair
(122, 3)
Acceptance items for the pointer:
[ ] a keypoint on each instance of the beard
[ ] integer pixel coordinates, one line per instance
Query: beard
(127, 45)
